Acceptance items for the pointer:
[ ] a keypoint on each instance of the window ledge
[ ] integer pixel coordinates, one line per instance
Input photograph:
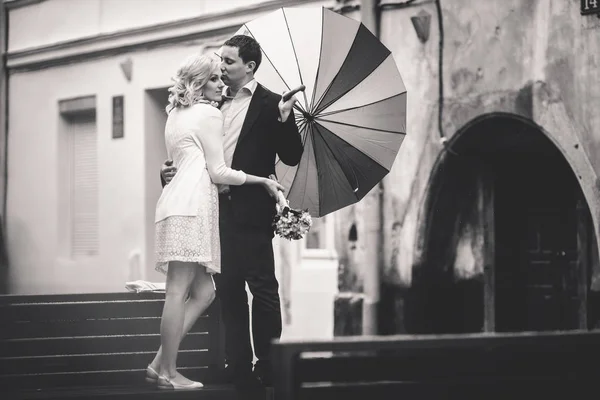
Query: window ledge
(320, 254)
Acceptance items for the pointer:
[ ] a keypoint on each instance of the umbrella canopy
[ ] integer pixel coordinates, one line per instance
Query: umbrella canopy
(352, 114)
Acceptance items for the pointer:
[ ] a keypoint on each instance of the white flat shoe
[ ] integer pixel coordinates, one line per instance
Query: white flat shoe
(165, 383)
(151, 375)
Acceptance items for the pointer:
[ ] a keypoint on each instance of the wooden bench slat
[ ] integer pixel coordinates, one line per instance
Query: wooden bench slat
(94, 362)
(95, 344)
(460, 366)
(500, 389)
(441, 364)
(99, 327)
(409, 343)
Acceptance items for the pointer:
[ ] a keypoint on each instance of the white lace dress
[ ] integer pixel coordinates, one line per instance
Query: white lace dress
(187, 212)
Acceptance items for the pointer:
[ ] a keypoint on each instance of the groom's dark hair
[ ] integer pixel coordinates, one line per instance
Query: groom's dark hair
(248, 49)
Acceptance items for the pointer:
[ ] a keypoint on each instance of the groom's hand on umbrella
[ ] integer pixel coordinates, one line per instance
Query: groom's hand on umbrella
(286, 104)
(168, 171)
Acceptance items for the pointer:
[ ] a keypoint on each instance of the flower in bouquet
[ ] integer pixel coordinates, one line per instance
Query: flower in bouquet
(289, 223)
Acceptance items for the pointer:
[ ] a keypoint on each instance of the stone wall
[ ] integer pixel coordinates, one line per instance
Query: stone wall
(536, 59)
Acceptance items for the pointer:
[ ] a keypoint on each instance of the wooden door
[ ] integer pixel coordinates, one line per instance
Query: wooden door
(539, 275)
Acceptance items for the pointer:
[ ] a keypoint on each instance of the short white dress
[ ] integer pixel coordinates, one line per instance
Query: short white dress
(187, 212)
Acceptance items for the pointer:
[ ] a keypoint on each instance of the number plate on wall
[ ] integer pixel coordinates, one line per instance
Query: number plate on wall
(590, 7)
(117, 114)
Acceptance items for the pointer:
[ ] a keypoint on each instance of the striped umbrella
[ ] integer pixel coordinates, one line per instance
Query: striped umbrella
(352, 113)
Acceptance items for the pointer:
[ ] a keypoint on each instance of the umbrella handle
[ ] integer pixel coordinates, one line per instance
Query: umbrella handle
(288, 95)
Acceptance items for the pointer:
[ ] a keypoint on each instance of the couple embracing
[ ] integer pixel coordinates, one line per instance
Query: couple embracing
(213, 219)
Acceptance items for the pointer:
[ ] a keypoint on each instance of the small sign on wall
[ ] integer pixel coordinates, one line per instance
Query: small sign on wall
(117, 117)
(590, 7)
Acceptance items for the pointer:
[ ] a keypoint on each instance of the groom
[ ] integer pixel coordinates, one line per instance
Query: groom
(258, 125)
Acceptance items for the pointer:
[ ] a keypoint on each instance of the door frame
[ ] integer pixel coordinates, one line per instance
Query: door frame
(587, 241)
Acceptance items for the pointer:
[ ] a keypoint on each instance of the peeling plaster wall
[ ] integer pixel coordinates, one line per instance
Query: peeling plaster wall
(535, 58)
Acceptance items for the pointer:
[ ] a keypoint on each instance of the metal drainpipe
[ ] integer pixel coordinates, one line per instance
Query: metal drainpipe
(371, 217)
(369, 15)
(3, 103)
(4, 145)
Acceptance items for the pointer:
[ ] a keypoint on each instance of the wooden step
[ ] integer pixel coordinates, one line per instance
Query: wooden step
(96, 340)
(146, 392)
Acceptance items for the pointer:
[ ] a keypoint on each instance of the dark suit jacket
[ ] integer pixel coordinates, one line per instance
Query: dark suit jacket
(261, 139)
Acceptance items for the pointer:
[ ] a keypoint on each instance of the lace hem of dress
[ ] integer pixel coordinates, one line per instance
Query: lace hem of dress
(163, 267)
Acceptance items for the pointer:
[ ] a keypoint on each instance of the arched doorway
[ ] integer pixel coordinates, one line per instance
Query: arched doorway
(509, 238)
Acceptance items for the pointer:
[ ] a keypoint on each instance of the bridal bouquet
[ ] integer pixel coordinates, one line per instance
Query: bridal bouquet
(289, 223)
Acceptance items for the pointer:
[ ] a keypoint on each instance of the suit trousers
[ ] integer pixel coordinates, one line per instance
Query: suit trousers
(247, 257)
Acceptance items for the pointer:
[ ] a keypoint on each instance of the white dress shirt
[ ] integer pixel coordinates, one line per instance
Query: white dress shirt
(234, 111)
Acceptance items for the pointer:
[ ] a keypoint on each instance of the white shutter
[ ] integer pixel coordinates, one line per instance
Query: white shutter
(84, 186)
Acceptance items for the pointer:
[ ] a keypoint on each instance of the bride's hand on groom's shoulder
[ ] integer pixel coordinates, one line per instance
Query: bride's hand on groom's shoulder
(168, 171)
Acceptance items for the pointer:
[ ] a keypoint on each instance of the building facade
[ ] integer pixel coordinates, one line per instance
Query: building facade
(86, 100)
(489, 219)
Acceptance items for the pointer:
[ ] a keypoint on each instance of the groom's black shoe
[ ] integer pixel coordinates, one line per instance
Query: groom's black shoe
(247, 382)
(228, 375)
(242, 378)
(262, 371)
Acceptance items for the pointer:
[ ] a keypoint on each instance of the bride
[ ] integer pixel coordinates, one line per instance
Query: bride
(187, 213)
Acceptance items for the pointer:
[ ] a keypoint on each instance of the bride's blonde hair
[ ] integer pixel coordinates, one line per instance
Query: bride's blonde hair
(192, 75)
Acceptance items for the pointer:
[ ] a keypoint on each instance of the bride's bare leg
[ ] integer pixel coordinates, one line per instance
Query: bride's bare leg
(179, 280)
(202, 294)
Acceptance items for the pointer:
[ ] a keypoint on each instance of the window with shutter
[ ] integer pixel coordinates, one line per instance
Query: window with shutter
(83, 185)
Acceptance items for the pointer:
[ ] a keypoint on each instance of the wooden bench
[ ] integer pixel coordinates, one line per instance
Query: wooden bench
(93, 345)
(473, 366)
